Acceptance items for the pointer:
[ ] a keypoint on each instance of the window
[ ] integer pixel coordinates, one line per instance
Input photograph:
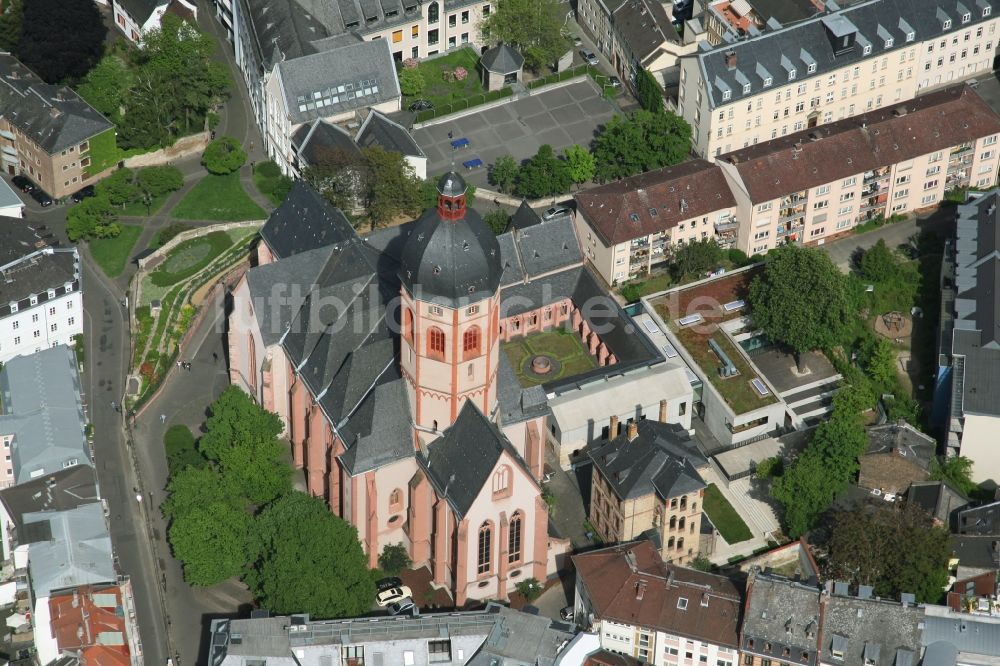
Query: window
(433, 13)
(682, 603)
(395, 500)
(38, 334)
(435, 342)
(899, 194)
(52, 311)
(465, 17)
(934, 170)
(847, 196)
(909, 36)
(356, 653)
(470, 342)
(946, 24)
(821, 204)
(439, 650)
(17, 325)
(17, 340)
(453, 20)
(930, 184)
(514, 539)
(485, 547)
(726, 94)
(767, 82)
(987, 155)
(848, 182)
(990, 140)
(34, 317)
(823, 189)
(53, 327)
(71, 321)
(486, 11)
(397, 36)
(966, 17)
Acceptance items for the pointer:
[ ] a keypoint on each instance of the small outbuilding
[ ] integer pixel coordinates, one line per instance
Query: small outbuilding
(502, 65)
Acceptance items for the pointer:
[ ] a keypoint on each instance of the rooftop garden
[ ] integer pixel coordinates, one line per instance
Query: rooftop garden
(710, 300)
(566, 354)
(724, 516)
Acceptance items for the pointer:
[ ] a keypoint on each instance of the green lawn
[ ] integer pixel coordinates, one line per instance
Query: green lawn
(270, 182)
(440, 92)
(138, 208)
(111, 254)
(565, 347)
(724, 516)
(220, 198)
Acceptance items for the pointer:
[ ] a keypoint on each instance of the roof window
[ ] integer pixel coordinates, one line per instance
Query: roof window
(682, 603)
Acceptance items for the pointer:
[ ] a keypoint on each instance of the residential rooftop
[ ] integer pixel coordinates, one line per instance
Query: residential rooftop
(782, 619)
(91, 621)
(644, 26)
(936, 121)
(30, 267)
(630, 583)
(859, 631)
(67, 549)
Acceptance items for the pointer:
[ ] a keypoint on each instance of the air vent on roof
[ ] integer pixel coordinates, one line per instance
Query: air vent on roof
(652, 212)
(634, 217)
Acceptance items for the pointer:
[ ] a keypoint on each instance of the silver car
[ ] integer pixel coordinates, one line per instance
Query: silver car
(589, 57)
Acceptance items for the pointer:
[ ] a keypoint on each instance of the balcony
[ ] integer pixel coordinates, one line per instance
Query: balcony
(876, 174)
(785, 230)
(958, 151)
(792, 216)
(793, 199)
(723, 227)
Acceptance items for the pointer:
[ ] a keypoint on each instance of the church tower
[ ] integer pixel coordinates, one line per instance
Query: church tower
(450, 270)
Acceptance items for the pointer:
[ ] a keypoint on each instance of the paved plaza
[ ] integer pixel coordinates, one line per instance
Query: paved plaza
(559, 117)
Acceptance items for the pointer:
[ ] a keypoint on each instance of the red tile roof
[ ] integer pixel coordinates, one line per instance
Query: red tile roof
(87, 620)
(630, 583)
(813, 157)
(607, 658)
(677, 193)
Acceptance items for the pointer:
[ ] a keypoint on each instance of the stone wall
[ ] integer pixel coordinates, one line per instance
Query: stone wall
(154, 259)
(183, 147)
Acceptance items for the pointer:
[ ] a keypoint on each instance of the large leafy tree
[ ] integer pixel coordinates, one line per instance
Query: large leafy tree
(93, 217)
(644, 141)
(543, 175)
(156, 181)
(390, 187)
(879, 361)
(106, 86)
(504, 173)
(956, 470)
(534, 28)
(337, 174)
(800, 299)
(698, 257)
(224, 155)
(893, 549)
(10, 24)
(61, 40)
(581, 163)
(305, 559)
(243, 440)
(119, 187)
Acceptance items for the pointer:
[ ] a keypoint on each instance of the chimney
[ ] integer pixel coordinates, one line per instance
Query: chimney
(663, 411)
(731, 60)
(633, 431)
(640, 590)
(613, 429)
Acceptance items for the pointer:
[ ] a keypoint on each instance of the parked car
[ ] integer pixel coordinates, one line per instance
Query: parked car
(404, 606)
(555, 211)
(83, 193)
(41, 197)
(392, 595)
(577, 41)
(23, 182)
(616, 82)
(589, 57)
(384, 584)
(566, 613)
(973, 83)
(421, 105)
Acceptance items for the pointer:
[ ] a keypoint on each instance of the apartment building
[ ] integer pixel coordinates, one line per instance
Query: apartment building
(970, 337)
(659, 613)
(41, 297)
(781, 623)
(45, 130)
(816, 184)
(869, 55)
(729, 20)
(135, 17)
(646, 478)
(629, 227)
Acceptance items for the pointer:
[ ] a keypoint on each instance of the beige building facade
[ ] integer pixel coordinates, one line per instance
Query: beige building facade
(868, 56)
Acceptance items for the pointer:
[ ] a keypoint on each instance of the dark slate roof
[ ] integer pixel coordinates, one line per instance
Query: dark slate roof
(304, 221)
(383, 440)
(773, 53)
(937, 498)
(54, 117)
(976, 335)
(348, 77)
(60, 491)
(28, 266)
(976, 552)
(140, 10)
(904, 439)
(275, 286)
(459, 463)
(866, 627)
(786, 12)
(662, 459)
(644, 26)
(313, 140)
(451, 262)
(452, 185)
(781, 614)
(548, 246)
(517, 404)
(510, 261)
(980, 520)
(378, 130)
(502, 59)
(523, 217)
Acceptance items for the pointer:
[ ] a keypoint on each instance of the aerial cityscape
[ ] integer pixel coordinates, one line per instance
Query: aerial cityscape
(500, 332)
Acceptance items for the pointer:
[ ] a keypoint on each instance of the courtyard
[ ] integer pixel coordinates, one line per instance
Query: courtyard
(564, 352)
(559, 117)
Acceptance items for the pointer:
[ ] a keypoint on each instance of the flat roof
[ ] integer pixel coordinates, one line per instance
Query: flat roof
(782, 371)
(598, 400)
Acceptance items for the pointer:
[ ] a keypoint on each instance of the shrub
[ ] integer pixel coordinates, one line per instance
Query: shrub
(461, 73)
(223, 156)
(411, 82)
(411, 63)
(631, 293)
(530, 589)
(394, 559)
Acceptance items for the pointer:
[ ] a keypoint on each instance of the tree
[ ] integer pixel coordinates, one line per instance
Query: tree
(306, 560)
(106, 86)
(642, 142)
(497, 220)
(210, 541)
(533, 28)
(93, 217)
(61, 40)
(543, 175)
(179, 445)
(800, 299)
(956, 470)
(879, 263)
(10, 25)
(242, 438)
(696, 258)
(892, 549)
(701, 563)
(648, 91)
(504, 173)
(224, 155)
(580, 162)
(390, 186)
(338, 174)
(394, 559)
(156, 181)
(530, 589)
(411, 82)
(879, 361)
(119, 188)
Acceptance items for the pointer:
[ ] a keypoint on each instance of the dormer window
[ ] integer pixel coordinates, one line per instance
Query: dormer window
(682, 603)
(811, 68)
(767, 82)
(987, 10)
(947, 24)
(13, 307)
(33, 300)
(791, 74)
(966, 17)
(867, 50)
(726, 94)
(746, 88)
(910, 36)
(889, 42)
